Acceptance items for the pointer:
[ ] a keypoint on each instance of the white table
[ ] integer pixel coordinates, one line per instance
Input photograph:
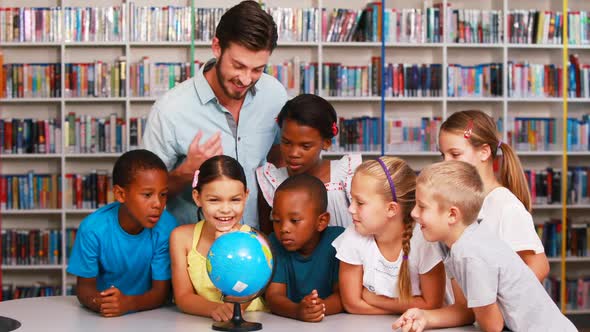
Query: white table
(64, 313)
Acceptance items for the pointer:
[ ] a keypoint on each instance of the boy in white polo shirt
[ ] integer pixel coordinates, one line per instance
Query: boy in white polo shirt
(491, 284)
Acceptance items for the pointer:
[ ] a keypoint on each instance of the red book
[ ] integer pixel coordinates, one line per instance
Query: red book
(79, 199)
(7, 136)
(549, 185)
(3, 193)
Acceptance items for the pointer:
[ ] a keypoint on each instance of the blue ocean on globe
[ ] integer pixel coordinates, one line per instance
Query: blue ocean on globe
(240, 263)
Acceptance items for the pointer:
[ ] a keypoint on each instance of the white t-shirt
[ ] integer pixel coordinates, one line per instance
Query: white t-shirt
(504, 215)
(341, 171)
(488, 271)
(380, 276)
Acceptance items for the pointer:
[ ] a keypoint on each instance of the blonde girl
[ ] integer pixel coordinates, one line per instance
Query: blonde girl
(386, 266)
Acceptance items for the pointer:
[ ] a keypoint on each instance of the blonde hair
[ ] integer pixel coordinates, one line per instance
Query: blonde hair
(484, 131)
(404, 180)
(455, 183)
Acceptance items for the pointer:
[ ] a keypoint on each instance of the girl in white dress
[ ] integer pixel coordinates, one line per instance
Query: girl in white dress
(308, 124)
(386, 265)
(471, 136)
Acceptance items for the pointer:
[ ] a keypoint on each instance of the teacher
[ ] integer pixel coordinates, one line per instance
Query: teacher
(229, 108)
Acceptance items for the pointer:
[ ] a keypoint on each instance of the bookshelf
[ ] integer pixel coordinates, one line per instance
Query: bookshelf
(443, 51)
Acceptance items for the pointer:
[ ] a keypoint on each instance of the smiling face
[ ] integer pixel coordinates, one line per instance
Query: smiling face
(222, 202)
(301, 147)
(238, 68)
(296, 222)
(431, 216)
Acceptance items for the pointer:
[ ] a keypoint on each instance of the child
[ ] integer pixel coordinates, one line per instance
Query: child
(120, 255)
(471, 136)
(305, 282)
(487, 275)
(386, 266)
(308, 124)
(220, 192)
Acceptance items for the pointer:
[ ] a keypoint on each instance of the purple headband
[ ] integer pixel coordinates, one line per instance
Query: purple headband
(391, 185)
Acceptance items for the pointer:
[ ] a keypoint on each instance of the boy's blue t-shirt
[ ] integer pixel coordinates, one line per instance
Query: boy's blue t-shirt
(103, 250)
(304, 274)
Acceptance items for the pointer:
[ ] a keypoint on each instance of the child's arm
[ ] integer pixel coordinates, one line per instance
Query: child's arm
(536, 262)
(333, 302)
(351, 279)
(489, 317)
(87, 293)
(278, 302)
(432, 286)
(310, 309)
(184, 295)
(456, 314)
(115, 303)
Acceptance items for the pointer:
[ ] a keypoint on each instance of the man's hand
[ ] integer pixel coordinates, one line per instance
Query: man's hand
(113, 303)
(413, 320)
(311, 308)
(197, 153)
(223, 312)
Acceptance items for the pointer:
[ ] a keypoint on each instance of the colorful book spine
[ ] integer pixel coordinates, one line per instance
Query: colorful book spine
(579, 27)
(95, 24)
(31, 247)
(482, 80)
(30, 191)
(136, 130)
(19, 136)
(535, 27)
(14, 291)
(160, 24)
(30, 24)
(361, 134)
(31, 80)
(347, 81)
(353, 25)
(88, 191)
(147, 79)
(95, 79)
(412, 134)
(89, 134)
(544, 185)
(296, 24)
(413, 80)
(468, 26)
(206, 21)
(533, 134)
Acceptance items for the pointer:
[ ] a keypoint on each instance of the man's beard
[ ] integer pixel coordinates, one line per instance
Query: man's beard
(222, 82)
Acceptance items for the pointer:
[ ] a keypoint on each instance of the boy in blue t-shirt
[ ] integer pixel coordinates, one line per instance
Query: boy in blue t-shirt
(305, 281)
(120, 255)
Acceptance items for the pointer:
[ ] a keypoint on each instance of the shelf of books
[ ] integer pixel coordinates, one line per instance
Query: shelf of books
(78, 82)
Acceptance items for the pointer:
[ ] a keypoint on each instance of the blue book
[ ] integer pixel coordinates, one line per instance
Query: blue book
(21, 192)
(119, 137)
(30, 190)
(9, 192)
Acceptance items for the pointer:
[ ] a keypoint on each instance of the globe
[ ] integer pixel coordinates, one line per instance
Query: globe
(240, 264)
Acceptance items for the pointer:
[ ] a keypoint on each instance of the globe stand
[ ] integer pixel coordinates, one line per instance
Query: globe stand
(236, 323)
